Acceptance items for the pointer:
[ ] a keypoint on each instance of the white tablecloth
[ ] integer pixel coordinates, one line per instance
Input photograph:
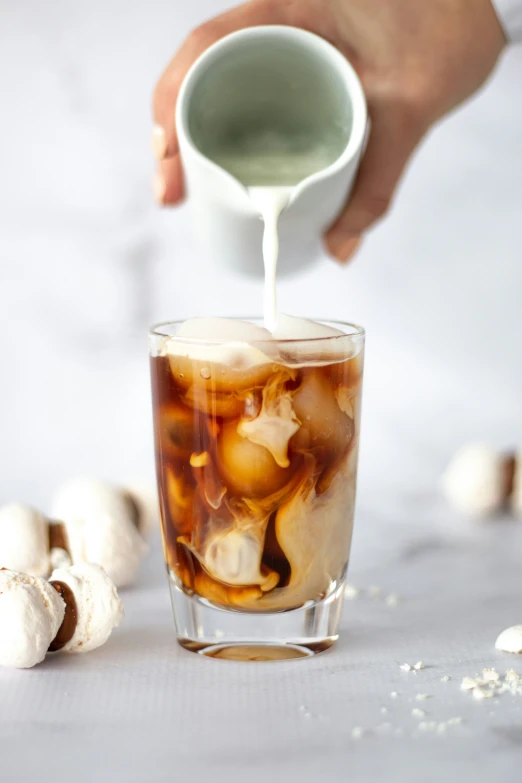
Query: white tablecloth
(141, 709)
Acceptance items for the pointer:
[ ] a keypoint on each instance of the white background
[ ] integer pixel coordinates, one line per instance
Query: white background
(88, 262)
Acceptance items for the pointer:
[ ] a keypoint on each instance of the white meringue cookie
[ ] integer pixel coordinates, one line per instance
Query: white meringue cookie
(31, 613)
(99, 609)
(474, 481)
(510, 640)
(100, 528)
(24, 540)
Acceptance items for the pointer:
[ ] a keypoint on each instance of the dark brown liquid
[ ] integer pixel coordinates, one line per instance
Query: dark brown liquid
(214, 482)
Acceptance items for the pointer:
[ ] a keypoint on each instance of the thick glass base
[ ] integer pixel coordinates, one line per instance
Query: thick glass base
(209, 630)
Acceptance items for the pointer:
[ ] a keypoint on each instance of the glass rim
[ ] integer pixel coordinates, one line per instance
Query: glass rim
(358, 332)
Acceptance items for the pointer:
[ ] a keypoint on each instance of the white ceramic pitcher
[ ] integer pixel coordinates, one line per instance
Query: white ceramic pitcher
(262, 77)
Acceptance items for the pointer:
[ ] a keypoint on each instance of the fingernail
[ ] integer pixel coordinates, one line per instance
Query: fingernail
(342, 247)
(159, 187)
(159, 142)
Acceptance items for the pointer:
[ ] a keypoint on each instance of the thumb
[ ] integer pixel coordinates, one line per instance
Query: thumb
(393, 137)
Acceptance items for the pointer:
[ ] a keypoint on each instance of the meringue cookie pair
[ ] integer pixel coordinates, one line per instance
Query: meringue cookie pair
(480, 481)
(74, 612)
(96, 522)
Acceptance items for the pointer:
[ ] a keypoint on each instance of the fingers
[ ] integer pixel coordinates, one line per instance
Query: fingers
(251, 14)
(346, 250)
(167, 183)
(394, 136)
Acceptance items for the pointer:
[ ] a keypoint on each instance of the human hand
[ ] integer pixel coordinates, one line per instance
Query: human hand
(416, 61)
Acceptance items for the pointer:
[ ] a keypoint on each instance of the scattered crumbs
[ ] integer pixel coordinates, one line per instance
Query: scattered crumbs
(422, 696)
(454, 721)
(384, 710)
(491, 684)
(441, 727)
(357, 732)
(418, 713)
(393, 695)
(481, 693)
(392, 599)
(374, 591)
(446, 678)
(427, 725)
(350, 591)
(418, 666)
(406, 667)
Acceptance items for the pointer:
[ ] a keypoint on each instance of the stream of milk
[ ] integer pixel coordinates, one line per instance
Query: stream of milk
(270, 165)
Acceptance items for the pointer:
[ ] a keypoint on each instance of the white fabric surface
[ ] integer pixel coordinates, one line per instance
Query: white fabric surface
(510, 15)
(87, 262)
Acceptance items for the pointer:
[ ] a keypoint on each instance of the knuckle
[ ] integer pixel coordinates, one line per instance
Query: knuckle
(205, 34)
(376, 206)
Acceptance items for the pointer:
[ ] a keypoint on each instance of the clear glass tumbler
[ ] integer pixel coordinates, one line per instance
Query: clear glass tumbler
(256, 459)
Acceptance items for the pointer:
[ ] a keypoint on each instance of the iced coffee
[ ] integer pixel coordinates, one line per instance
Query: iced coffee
(256, 438)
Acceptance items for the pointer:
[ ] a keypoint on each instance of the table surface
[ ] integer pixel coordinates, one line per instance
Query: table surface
(142, 709)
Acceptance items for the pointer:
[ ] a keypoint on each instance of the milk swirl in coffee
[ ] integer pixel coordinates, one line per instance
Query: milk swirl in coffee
(256, 431)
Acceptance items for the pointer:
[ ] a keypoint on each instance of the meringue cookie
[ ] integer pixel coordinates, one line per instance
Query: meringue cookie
(24, 540)
(100, 528)
(510, 640)
(474, 482)
(99, 609)
(31, 613)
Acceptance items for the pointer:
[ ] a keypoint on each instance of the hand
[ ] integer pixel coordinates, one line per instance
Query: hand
(416, 59)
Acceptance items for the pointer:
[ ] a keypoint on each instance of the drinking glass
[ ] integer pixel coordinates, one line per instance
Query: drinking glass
(256, 458)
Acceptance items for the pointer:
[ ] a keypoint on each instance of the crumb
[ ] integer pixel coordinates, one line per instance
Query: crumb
(468, 683)
(392, 599)
(406, 667)
(446, 678)
(480, 693)
(357, 732)
(384, 710)
(418, 666)
(393, 695)
(455, 721)
(422, 696)
(427, 725)
(351, 592)
(418, 713)
(491, 676)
